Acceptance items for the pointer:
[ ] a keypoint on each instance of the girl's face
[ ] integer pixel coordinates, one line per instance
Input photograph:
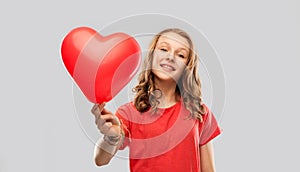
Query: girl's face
(170, 56)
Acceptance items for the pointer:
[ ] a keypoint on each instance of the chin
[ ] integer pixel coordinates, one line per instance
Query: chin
(164, 76)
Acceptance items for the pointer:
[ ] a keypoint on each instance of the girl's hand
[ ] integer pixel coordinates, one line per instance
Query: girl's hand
(107, 123)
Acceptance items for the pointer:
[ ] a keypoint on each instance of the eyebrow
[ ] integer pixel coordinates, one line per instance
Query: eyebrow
(164, 43)
(179, 48)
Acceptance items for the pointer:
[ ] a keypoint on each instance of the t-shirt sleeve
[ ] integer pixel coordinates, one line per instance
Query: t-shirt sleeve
(122, 114)
(209, 129)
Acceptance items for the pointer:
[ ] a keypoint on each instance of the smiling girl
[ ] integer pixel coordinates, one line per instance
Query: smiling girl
(167, 127)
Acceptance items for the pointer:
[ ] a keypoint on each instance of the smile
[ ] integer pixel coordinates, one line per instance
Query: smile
(167, 67)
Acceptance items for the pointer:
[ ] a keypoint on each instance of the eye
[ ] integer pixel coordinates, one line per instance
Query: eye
(181, 56)
(163, 49)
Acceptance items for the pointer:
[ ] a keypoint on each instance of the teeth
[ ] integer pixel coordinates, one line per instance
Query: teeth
(168, 67)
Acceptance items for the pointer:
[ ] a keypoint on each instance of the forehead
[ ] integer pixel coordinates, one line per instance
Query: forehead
(174, 39)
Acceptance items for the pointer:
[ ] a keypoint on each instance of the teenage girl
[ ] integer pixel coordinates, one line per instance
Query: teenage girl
(167, 127)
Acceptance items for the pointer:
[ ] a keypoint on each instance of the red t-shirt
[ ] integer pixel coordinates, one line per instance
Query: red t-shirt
(166, 141)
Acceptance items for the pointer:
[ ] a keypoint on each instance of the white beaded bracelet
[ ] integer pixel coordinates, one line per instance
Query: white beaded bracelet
(112, 140)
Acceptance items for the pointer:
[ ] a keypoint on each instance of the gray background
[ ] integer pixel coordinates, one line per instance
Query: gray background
(257, 42)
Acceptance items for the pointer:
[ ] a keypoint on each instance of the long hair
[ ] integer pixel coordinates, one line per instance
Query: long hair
(188, 86)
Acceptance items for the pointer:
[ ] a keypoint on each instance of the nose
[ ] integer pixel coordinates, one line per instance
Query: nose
(171, 56)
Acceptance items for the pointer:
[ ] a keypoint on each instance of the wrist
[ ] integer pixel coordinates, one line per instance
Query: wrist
(105, 146)
(115, 140)
(112, 140)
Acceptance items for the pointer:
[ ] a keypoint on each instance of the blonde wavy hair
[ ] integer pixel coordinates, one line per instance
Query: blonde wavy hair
(188, 86)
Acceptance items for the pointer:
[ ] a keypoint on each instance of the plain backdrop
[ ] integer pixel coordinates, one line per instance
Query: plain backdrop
(257, 43)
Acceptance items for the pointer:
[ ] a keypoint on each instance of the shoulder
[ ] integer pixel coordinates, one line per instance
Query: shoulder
(208, 112)
(207, 109)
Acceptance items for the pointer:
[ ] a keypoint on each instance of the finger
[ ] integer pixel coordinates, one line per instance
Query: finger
(101, 106)
(99, 122)
(111, 118)
(94, 107)
(97, 119)
(116, 120)
(98, 106)
(105, 127)
(104, 118)
(105, 111)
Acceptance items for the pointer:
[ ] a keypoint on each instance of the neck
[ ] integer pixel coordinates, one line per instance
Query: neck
(168, 89)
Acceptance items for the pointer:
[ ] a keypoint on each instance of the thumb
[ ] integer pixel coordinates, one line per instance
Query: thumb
(114, 120)
(105, 111)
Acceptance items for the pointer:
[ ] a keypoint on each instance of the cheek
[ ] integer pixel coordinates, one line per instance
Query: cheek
(155, 60)
(158, 55)
(182, 66)
(153, 63)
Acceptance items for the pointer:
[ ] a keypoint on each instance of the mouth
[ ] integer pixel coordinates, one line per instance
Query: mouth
(167, 67)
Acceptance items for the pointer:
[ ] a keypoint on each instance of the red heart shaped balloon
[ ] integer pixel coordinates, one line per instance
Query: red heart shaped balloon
(100, 65)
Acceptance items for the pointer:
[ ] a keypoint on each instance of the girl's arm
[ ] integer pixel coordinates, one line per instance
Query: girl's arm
(109, 125)
(207, 158)
(104, 152)
(101, 157)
